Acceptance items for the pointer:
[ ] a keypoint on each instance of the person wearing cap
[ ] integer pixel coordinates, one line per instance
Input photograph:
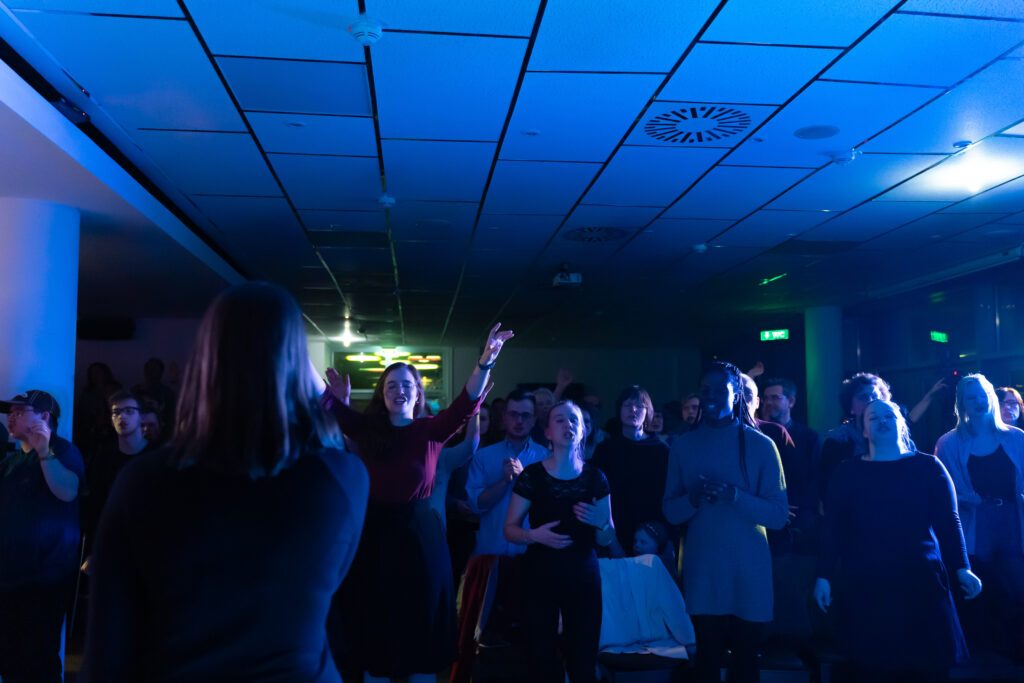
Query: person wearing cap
(39, 537)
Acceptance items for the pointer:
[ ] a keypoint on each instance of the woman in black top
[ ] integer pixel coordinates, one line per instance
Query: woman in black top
(217, 557)
(569, 510)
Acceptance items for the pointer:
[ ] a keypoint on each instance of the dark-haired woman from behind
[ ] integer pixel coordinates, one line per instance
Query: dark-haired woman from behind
(217, 557)
(395, 615)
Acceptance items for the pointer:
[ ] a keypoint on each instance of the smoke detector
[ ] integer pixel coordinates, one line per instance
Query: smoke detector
(386, 201)
(846, 157)
(366, 30)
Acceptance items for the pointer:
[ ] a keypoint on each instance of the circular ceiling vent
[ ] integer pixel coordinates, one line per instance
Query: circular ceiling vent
(594, 234)
(698, 124)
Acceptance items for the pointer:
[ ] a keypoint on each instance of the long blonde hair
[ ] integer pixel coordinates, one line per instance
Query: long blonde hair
(964, 424)
(902, 429)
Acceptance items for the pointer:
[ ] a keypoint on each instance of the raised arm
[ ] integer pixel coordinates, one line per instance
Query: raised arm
(458, 455)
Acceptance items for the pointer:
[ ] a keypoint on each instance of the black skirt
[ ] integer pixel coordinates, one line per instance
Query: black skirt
(395, 613)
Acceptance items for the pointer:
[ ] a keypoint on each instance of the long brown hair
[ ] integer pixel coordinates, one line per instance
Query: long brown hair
(378, 444)
(248, 404)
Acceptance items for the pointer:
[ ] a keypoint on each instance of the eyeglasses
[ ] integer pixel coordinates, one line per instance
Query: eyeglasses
(117, 412)
(519, 416)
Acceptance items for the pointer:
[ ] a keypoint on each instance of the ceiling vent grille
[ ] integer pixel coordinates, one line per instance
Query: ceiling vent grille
(698, 124)
(594, 234)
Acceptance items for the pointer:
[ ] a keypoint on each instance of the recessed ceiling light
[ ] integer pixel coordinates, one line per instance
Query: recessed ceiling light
(815, 132)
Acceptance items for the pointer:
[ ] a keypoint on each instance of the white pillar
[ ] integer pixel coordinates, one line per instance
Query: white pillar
(823, 340)
(39, 300)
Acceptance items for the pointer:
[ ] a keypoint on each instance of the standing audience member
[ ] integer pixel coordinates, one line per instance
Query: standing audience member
(1011, 407)
(879, 557)
(635, 463)
(690, 411)
(153, 389)
(847, 440)
(91, 424)
(39, 539)
(725, 483)
(569, 509)
(217, 557)
(986, 461)
(544, 398)
(395, 616)
(149, 419)
(487, 433)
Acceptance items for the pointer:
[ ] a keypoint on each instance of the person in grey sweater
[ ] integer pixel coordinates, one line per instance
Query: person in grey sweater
(725, 482)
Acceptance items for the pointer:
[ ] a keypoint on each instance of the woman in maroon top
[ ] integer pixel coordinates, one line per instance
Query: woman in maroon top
(395, 615)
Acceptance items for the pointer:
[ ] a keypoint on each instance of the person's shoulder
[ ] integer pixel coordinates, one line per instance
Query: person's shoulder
(347, 469)
(495, 450)
(761, 437)
(946, 440)
(593, 472)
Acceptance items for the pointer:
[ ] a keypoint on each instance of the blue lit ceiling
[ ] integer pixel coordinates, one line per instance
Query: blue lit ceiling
(814, 138)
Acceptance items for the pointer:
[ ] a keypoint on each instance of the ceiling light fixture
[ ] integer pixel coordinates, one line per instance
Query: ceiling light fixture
(769, 280)
(347, 337)
(972, 170)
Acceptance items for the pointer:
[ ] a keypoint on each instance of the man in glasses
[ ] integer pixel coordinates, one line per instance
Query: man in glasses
(39, 536)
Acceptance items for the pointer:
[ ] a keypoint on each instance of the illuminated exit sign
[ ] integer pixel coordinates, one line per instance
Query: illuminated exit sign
(774, 335)
(940, 337)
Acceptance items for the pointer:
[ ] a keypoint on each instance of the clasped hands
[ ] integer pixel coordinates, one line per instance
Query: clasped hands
(712, 491)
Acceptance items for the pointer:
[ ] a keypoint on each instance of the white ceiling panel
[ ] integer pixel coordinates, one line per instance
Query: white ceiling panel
(650, 176)
(1006, 198)
(980, 107)
(734, 191)
(548, 188)
(744, 73)
(997, 236)
(492, 264)
(517, 233)
(768, 228)
(797, 22)
(298, 87)
(302, 134)
(432, 221)
(838, 188)
(931, 228)
(609, 35)
(147, 8)
(297, 29)
(575, 117)
(329, 182)
(504, 17)
(926, 50)
(441, 171)
(871, 219)
(363, 221)
(429, 265)
(146, 73)
(445, 87)
(612, 216)
(989, 163)
(697, 124)
(667, 240)
(1016, 130)
(857, 110)
(1001, 9)
(210, 163)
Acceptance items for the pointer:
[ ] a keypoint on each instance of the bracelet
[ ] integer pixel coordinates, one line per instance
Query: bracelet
(486, 366)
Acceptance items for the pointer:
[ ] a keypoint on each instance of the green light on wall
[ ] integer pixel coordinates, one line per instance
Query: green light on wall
(940, 337)
(774, 335)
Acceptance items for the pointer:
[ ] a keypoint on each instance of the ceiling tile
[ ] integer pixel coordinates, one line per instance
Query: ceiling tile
(1002, 9)
(209, 163)
(548, 187)
(930, 228)
(329, 182)
(734, 191)
(744, 73)
(1006, 198)
(575, 117)
(650, 176)
(797, 22)
(370, 221)
(697, 124)
(298, 87)
(916, 49)
(508, 17)
(871, 219)
(997, 236)
(147, 8)
(617, 36)
(433, 221)
(986, 164)
(144, 73)
(299, 134)
(445, 87)
(447, 171)
(667, 240)
(612, 216)
(514, 232)
(768, 228)
(297, 29)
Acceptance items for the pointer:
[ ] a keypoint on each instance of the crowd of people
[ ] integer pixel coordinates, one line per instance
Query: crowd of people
(262, 528)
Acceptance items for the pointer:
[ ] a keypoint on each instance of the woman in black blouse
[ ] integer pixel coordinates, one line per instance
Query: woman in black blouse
(569, 510)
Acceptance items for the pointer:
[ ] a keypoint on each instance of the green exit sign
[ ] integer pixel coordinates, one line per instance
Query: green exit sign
(774, 335)
(940, 337)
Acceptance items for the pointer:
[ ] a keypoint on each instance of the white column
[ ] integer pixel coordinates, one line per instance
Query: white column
(39, 300)
(823, 340)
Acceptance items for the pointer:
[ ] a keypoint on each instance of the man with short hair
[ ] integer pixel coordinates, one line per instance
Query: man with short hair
(39, 537)
(154, 389)
(691, 410)
(150, 422)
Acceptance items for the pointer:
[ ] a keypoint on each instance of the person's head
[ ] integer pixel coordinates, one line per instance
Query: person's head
(650, 538)
(497, 410)
(721, 394)
(149, 421)
(690, 410)
(520, 415)
(634, 408)
(750, 394)
(564, 427)
(1010, 405)
(857, 391)
(153, 371)
(99, 376)
(248, 402)
(657, 423)
(884, 425)
(588, 424)
(976, 405)
(125, 412)
(399, 392)
(485, 419)
(24, 411)
(544, 399)
(778, 400)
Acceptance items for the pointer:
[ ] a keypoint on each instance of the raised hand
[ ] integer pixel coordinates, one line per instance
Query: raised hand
(38, 438)
(563, 378)
(823, 594)
(545, 536)
(496, 338)
(340, 386)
